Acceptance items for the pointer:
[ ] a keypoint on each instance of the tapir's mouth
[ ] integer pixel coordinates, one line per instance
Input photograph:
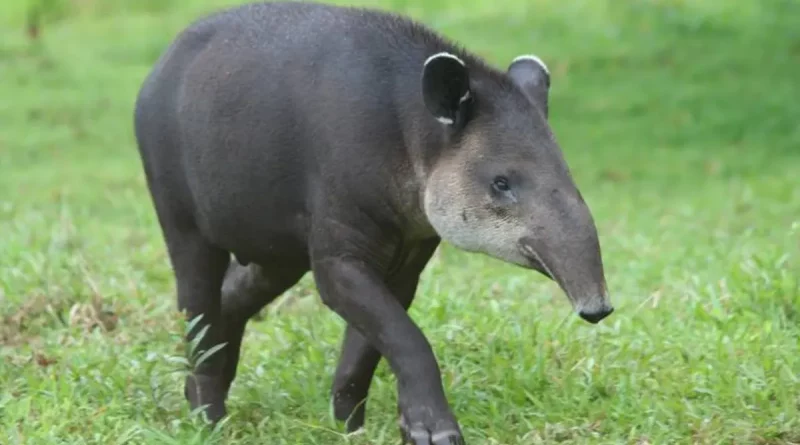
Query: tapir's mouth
(575, 265)
(535, 261)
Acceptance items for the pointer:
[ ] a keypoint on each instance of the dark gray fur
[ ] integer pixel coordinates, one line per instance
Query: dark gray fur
(298, 136)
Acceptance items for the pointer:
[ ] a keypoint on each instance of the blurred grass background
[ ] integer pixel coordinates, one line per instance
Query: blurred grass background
(678, 118)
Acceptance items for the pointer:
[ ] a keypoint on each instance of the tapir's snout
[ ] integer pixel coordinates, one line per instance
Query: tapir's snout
(595, 315)
(568, 251)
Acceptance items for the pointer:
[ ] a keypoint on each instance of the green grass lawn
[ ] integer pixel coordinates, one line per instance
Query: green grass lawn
(679, 120)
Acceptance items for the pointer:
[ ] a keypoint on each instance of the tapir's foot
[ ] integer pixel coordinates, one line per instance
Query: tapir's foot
(427, 430)
(349, 409)
(210, 391)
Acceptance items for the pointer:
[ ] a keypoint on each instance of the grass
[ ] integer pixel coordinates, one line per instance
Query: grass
(679, 120)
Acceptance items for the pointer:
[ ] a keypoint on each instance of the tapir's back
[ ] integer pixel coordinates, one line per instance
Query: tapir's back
(254, 111)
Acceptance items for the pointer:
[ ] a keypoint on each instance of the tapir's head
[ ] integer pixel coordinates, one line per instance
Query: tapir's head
(501, 185)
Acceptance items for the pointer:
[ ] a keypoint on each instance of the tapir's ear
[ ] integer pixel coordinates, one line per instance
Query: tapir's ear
(533, 77)
(445, 87)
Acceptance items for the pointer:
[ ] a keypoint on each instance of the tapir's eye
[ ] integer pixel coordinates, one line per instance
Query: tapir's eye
(501, 184)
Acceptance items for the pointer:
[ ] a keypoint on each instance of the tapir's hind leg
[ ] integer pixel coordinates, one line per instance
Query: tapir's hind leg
(245, 291)
(199, 268)
(359, 359)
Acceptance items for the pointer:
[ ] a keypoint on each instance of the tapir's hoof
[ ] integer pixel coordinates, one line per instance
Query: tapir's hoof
(205, 390)
(419, 434)
(350, 411)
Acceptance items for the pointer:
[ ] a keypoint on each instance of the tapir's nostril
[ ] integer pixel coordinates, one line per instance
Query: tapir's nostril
(596, 316)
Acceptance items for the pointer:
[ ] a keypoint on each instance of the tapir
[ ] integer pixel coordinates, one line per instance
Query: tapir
(286, 137)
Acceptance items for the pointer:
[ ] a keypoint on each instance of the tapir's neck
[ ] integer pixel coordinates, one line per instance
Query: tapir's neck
(409, 200)
(421, 143)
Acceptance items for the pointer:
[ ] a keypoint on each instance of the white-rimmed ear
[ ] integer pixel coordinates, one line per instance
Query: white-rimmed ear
(445, 87)
(533, 77)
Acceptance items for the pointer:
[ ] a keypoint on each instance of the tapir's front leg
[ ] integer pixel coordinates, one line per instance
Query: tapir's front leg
(358, 358)
(353, 377)
(354, 288)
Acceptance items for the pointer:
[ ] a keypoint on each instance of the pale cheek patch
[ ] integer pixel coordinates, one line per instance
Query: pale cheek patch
(534, 59)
